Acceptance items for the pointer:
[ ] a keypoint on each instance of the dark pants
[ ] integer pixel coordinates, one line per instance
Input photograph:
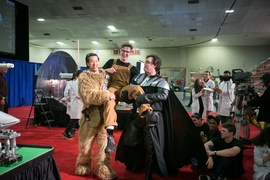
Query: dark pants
(190, 100)
(221, 166)
(4, 107)
(71, 125)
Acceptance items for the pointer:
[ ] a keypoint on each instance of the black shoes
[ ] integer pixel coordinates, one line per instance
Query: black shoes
(110, 145)
(72, 132)
(66, 136)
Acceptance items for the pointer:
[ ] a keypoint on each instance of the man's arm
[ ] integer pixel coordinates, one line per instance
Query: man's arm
(231, 152)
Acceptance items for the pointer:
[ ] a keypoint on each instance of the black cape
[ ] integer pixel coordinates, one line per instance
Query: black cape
(182, 141)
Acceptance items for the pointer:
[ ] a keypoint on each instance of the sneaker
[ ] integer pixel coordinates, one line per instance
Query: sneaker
(110, 145)
(66, 136)
(72, 132)
(204, 177)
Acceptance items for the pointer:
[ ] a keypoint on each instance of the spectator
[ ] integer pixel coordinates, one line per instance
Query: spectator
(74, 106)
(213, 123)
(209, 86)
(3, 90)
(201, 126)
(197, 93)
(225, 155)
(261, 165)
(191, 85)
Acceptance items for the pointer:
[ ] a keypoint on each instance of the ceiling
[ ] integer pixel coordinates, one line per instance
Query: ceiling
(150, 23)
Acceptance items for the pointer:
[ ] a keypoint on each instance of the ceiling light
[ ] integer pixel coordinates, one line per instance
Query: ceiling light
(229, 11)
(214, 39)
(131, 41)
(60, 43)
(94, 42)
(111, 27)
(41, 19)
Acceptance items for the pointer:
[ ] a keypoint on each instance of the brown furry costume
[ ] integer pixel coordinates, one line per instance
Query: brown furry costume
(92, 93)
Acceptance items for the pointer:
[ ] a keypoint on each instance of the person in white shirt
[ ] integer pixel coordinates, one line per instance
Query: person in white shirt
(209, 86)
(226, 97)
(74, 105)
(261, 165)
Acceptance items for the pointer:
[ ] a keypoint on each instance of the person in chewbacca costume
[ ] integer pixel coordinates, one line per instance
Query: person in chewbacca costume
(94, 93)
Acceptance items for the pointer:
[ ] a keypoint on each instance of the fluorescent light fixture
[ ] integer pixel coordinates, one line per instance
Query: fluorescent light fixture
(131, 41)
(111, 27)
(94, 42)
(60, 43)
(229, 11)
(214, 39)
(41, 19)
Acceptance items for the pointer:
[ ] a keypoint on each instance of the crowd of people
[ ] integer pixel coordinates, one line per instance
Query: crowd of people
(225, 152)
(159, 136)
(151, 138)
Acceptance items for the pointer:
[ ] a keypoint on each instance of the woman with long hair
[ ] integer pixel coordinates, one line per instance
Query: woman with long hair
(261, 165)
(197, 93)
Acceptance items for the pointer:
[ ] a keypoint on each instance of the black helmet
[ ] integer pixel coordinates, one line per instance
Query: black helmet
(266, 77)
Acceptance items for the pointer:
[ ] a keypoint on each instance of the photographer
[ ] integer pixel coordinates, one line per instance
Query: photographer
(262, 101)
(226, 96)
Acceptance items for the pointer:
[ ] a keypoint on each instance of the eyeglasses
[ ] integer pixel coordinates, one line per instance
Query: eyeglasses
(125, 51)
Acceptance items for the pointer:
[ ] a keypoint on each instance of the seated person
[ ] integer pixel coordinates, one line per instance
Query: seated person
(203, 130)
(213, 122)
(225, 155)
(261, 165)
(201, 126)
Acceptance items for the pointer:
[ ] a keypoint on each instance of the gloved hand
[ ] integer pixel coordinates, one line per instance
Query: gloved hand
(140, 99)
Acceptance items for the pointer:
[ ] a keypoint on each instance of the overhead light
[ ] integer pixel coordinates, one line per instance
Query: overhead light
(229, 11)
(131, 41)
(60, 43)
(94, 42)
(214, 39)
(41, 19)
(111, 27)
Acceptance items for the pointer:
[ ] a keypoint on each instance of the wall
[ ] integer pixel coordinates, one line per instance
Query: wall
(192, 58)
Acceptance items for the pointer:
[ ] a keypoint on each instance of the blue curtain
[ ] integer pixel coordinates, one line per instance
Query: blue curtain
(20, 81)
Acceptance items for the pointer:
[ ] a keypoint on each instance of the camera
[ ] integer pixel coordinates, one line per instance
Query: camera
(239, 76)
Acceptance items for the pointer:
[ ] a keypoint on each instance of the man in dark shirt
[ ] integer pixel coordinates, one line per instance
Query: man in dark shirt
(213, 122)
(262, 101)
(3, 90)
(225, 155)
(121, 73)
(201, 126)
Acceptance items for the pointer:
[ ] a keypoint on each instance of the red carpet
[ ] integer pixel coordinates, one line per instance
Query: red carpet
(65, 152)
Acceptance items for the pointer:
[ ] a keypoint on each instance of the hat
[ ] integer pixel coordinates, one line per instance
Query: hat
(216, 118)
(196, 115)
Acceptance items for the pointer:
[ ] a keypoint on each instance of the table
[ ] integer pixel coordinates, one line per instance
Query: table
(37, 163)
(122, 116)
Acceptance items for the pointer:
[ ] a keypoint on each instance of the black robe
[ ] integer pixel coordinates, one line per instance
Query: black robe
(182, 141)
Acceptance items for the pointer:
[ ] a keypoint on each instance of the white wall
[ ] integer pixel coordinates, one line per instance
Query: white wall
(192, 58)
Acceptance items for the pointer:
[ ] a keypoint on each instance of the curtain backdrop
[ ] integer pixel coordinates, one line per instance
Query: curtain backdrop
(20, 81)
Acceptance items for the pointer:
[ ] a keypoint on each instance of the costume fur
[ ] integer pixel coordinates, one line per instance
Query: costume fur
(90, 90)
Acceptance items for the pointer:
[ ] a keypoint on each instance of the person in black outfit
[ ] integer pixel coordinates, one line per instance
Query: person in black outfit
(3, 90)
(262, 101)
(166, 138)
(213, 122)
(225, 155)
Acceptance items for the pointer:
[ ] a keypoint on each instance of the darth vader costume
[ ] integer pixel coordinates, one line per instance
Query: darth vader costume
(163, 141)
